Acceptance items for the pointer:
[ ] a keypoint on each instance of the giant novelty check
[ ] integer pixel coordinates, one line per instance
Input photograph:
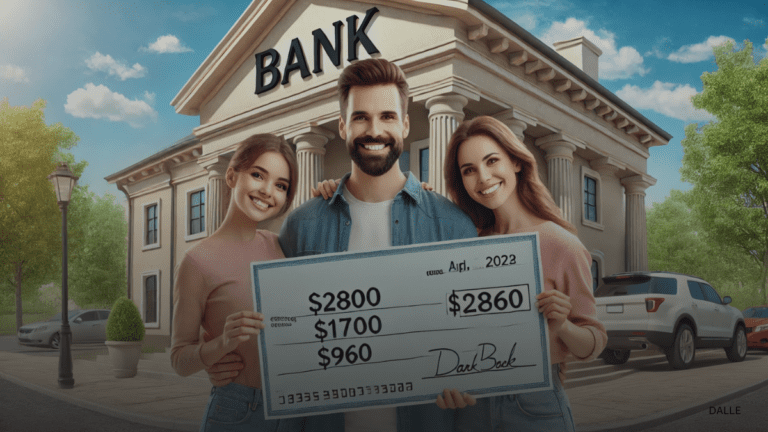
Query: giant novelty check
(394, 327)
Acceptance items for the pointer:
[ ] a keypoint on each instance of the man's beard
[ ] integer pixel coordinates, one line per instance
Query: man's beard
(372, 165)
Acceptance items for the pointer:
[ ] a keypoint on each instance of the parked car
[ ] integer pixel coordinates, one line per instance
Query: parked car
(87, 326)
(756, 319)
(676, 312)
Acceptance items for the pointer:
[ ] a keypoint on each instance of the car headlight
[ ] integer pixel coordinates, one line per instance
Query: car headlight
(760, 328)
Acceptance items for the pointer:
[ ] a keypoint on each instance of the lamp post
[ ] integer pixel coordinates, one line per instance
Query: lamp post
(63, 183)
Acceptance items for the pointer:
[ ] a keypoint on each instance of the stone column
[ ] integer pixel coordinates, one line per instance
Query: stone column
(217, 194)
(445, 114)
(636, 243)
(559, 157)
(310, 153)
(517, 121)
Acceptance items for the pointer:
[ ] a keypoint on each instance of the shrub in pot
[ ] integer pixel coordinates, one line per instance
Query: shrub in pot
(125, 331)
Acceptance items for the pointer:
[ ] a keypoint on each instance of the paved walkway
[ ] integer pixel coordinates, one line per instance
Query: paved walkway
(158, 397)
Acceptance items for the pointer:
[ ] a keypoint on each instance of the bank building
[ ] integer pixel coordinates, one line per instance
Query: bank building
(276, 70)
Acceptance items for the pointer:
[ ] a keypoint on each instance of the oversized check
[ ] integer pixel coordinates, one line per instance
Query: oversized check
(393, 327)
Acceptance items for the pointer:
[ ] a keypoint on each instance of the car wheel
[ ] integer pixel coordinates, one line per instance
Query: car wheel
(738, 350)
(680, 355)
(616, 357)
(54, 342)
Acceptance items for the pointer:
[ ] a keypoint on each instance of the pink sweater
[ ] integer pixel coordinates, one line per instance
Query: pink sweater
(565, 264)
(213, 283)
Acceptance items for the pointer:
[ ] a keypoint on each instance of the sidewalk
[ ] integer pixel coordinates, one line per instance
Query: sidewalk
(659, 394)
(159, 397)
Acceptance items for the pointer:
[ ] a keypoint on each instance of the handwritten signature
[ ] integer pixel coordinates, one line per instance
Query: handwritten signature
(449, 362)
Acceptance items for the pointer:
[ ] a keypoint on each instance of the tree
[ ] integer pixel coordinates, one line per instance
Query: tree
(98, 248)
(678, 242)
(30, 221)
(727, 159)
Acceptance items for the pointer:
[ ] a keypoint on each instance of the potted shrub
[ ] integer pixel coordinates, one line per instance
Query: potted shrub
(125, 331)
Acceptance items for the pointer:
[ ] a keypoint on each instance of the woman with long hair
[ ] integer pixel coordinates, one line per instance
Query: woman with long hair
(213, 289)
(493, 177)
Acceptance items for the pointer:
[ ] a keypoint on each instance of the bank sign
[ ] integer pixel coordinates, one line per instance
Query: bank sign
(268, 62)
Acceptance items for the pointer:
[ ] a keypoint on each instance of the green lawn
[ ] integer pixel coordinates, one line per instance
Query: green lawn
(8, 320)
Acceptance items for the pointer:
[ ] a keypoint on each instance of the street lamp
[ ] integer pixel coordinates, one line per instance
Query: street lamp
(63, 183)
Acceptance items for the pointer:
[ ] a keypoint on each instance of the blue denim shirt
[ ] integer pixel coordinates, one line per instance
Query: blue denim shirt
(320, 226)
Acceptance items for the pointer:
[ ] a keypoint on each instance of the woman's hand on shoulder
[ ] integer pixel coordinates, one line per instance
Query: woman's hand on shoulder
(241, 327)
(326, 188)
(452, 399)
(426, 186)
(555, 306)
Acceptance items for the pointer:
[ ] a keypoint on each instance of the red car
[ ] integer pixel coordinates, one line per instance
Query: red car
(756, 320)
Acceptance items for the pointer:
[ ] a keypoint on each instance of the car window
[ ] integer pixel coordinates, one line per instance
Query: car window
(695, 290)
(760, 312)
(90, 316)
(655, 285)
(711, 293)
(662, 285)
(103, 314)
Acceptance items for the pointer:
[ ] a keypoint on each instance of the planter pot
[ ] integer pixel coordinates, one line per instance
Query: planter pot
(125, 358)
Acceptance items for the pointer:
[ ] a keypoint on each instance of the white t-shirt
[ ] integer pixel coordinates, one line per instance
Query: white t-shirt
(371, 230)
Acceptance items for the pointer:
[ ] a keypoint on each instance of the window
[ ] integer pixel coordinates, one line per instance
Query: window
(598, 268)
(89, 316)
(591, 212)
(151, 230)
(710, 293)
(424, 164)
(639, 285)
(590, 199)
(405, 162)
(419, 159)
(595, 275)
(103, 314)
(695, 290)
(195, 214)
(150, 302)
(151, 225)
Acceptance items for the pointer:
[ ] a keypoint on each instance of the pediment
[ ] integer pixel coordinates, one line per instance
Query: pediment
(304, 35)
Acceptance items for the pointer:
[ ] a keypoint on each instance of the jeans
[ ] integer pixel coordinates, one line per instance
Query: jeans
(235, 408)
(547, 410)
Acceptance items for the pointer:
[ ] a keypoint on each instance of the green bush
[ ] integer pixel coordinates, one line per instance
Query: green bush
(124, 323)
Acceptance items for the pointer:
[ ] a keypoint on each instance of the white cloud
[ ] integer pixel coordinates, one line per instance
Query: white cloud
(99, 102)
(105, 63)
(672, 100)
(698, 52)
(13, 73)
(614, 63)
(167, 44)
(527, 21)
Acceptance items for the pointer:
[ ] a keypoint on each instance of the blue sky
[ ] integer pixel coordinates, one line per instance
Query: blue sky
(109, 70)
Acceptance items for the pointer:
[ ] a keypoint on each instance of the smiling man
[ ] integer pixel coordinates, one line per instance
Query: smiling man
(376, 206)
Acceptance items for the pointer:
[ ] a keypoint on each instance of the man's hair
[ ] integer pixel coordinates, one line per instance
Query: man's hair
(370, 72)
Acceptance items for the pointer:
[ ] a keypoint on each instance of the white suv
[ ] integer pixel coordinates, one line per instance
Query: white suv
(676, 312)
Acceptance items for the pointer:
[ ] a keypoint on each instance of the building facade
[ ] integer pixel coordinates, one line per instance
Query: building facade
(276, 71)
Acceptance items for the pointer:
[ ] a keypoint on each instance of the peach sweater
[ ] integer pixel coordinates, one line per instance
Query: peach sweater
(565, 264)
(213, 283)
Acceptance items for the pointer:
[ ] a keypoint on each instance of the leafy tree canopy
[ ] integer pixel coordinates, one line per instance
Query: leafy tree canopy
(30, 221)
(727, 159)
